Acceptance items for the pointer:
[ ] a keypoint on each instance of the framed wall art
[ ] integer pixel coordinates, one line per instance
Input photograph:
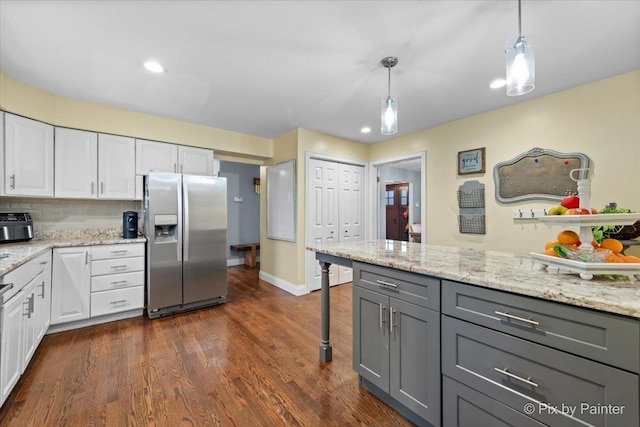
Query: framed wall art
(471, 161)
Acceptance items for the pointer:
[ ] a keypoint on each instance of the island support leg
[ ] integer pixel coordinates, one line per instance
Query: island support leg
(325, 345)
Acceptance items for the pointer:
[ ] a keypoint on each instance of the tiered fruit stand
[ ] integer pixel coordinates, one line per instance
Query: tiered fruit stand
(585, 222)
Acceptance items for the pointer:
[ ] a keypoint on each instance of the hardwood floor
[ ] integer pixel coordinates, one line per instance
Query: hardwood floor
(250, 362)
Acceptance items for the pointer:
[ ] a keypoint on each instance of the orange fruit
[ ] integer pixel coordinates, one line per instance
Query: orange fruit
(613, 257)
(630, 258)
(550, 252)
(595, 244)
(612, 244)
(568, 237)
(551, 244)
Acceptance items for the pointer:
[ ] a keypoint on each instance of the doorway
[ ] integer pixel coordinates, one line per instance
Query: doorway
(396, 210)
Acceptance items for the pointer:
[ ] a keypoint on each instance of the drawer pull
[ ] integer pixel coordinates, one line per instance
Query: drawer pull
(383, 283)
(119, 266)
(44, 263)
(515, 377)
(122, 301)
(520, 319)
(120, 282)
(124, 251)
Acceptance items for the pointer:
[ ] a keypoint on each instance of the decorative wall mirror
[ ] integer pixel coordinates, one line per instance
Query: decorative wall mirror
(538, 174)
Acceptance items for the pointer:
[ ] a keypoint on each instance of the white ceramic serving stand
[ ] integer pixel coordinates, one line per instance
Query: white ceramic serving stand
(585, 222)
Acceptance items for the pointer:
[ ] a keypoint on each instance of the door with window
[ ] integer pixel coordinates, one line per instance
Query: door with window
(397, 213)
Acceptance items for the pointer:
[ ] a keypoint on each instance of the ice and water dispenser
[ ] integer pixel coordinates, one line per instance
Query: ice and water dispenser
(166, 228)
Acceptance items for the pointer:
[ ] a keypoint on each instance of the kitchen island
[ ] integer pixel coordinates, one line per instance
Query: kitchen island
(435, 327)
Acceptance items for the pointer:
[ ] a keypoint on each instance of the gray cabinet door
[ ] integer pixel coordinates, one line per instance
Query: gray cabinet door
(464, 407)
(370, 339)
(414, 358)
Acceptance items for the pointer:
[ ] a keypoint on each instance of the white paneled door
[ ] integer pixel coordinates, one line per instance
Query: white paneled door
(335, 213)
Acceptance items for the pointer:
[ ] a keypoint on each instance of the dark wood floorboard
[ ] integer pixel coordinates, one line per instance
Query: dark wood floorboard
(250, 362)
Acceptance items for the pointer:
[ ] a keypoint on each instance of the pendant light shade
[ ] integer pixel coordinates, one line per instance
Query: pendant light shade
(389, 111)
(521, 73)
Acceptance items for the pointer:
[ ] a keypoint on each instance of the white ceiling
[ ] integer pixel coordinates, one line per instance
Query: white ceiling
(265, 67)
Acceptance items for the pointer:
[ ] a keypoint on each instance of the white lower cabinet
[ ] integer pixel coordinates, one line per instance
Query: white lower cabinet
(24, 313)
(71, 284)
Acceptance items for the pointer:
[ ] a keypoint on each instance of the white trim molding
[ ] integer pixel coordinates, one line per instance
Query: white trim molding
(296, 290)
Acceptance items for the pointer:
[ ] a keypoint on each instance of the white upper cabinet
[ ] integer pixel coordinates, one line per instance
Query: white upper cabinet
(116, 167)
(76, 163)
(152, 156)
(195, 161)
(28, 162)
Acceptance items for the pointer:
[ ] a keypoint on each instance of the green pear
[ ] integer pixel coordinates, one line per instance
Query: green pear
(557, 210)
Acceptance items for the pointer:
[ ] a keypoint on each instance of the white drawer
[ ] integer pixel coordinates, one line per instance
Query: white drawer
(115, 266)
(117, 300)
(22, 275)
(117, 281)
(117, 251)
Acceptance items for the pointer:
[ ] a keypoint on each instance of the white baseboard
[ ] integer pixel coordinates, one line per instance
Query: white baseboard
(238, 261)
(283, 284)
(95, 321)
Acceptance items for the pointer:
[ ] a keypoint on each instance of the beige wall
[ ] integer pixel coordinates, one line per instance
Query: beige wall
(19, 98)
(286, 260)
(601, 119)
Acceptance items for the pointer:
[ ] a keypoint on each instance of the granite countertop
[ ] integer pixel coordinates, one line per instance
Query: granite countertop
(13, 255)
(496, 270)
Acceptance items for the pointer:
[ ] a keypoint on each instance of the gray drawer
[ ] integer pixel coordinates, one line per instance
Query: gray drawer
(414, 288)
(464, 407)
(604, 337)
(539, 375)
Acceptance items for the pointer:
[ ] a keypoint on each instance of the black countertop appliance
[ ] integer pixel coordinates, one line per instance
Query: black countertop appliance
(15, 227)
(129, 225)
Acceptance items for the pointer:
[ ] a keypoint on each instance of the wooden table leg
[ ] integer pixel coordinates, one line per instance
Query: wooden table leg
(325, 345)
(250, 257)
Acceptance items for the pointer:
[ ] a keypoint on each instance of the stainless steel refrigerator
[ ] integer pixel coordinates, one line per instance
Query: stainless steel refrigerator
(186, 229)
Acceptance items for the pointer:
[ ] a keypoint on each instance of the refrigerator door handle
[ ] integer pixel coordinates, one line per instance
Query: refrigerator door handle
(180, 227)
(186, 220)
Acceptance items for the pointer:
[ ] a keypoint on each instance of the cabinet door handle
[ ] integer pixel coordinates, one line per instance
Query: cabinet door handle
(32, 303)
(388, 284)
(42, 284)
(101, 187)
(382, 316)
(28, 312)
(92, 187)
(516, 377)
(180, 168)
(518, 318)
(391, 325)
(86, 258)
(12, 178)
(175, 167)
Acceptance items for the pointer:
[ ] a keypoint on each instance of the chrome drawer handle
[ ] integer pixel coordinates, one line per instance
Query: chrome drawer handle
(520, 319)
(515, 377)
(391, 324)
(120, 283)
(44, 263)
(119, 252)
(119, 266)
(391, 285)
(122, 301)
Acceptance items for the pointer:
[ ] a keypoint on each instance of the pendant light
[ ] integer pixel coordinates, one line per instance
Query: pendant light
(389, 114)
(521, 73)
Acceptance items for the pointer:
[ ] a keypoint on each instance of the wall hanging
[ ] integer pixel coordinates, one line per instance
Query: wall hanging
(471, 218)
(538, 174)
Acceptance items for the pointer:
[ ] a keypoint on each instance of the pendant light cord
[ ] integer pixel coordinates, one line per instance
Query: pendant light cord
(389, 86)
(519, 20)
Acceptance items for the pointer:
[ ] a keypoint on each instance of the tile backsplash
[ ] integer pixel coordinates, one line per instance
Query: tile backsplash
(71, 214)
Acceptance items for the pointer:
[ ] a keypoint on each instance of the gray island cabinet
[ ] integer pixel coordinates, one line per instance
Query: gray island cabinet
(469, 338)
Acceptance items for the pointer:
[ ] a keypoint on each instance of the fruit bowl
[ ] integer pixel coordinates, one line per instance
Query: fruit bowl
(588, 256)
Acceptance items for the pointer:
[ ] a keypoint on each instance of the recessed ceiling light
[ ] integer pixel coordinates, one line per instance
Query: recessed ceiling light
(154, 67)
(365, 129)
(498, 83)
